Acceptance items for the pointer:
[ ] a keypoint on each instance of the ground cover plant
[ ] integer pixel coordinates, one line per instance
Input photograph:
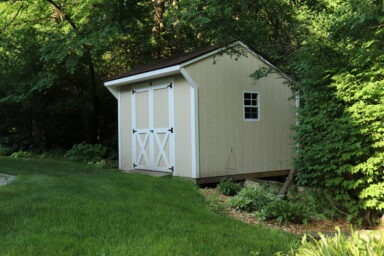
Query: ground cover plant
(341, 245)
(64, 208)
(228, 187)
(299, 207)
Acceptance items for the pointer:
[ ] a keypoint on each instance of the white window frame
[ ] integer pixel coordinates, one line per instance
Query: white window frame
(251, 106)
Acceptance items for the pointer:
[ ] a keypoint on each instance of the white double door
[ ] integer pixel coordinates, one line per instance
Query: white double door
(153, 128)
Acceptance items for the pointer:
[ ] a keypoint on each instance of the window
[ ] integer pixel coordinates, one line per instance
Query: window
(251, 106)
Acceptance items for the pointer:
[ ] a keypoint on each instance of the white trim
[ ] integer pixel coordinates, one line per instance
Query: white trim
(133, 126)
(144, 76)
(182, 65)
(171, 116)
(119, 128)
(114, 91)
(194, 124)
(151, 140)
(265, 61)
(251, 106)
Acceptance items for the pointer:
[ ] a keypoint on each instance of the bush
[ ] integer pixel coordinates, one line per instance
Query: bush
(5, 151)
(228, 187)
(340, 245)
(21, 154)
(15, 143)
(86, 152)
(285, 211)
(319, 202)
(251, 199)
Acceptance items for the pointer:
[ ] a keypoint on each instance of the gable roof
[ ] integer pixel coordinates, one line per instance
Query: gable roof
(173, 64)
(166, 62)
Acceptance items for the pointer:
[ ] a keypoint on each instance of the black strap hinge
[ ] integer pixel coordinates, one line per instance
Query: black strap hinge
(133, 91)
(170, 85)
(134, 165)
(171, 130)
(172, 169)
(134, 131)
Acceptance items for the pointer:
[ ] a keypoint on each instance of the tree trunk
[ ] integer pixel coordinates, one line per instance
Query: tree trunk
(158, 27)
(287, 183)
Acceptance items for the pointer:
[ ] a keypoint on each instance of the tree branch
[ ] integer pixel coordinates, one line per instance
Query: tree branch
(66, 17)
(14, 17)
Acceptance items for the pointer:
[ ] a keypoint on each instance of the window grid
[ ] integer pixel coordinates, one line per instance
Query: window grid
(251, 106)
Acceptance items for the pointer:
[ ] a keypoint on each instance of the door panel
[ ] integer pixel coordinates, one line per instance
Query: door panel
(142, 110)
(160, 108)
(152, 121)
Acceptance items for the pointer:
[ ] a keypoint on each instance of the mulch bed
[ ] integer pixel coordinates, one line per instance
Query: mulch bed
(324, 226)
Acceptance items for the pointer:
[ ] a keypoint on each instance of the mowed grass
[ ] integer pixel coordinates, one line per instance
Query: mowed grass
(63, 208)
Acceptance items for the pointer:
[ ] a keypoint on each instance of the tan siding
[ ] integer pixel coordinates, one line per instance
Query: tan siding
(183, 145)
(126, 128)
(228, 144)
(182, 112)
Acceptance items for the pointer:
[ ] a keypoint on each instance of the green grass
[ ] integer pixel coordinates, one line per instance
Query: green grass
(63, 208)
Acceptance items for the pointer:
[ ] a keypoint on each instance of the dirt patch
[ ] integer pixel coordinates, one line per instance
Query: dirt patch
(320, 225)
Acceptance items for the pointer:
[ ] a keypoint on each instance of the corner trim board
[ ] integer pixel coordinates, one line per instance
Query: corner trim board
(194, 124)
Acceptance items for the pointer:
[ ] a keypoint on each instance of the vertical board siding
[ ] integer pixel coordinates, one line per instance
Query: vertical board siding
(228, 144)
(126, 128)
(183, 143)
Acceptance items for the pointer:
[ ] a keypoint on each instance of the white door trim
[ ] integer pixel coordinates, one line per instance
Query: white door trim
(151, 139)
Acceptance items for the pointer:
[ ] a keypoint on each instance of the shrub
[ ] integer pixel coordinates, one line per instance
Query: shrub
(285, 211)
(319, 202)
(21, 154)
(340, 245)
(251, 199)
(15, 143)
(5, 151)
(228, 187)
(86, 152)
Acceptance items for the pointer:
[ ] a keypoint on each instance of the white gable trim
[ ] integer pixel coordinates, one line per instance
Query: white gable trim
(144, 76)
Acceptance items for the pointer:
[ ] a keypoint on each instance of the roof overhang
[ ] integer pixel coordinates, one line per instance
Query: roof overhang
(168, 71)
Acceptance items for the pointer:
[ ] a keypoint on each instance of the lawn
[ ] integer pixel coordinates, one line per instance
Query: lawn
(63, 208)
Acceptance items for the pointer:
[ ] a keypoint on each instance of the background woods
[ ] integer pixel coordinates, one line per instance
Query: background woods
(54, 55)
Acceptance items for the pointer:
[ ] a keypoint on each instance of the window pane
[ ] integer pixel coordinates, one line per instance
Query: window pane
(254, 102)
(254, 95)
(247, 102)
(247, 95)
(250, 113)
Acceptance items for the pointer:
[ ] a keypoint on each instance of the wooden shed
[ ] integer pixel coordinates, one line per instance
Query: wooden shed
(200, 115)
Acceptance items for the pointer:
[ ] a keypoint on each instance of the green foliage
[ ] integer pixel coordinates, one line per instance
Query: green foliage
(5, 151)
(318, 202)
(14, 142)
(86, 153)
(213, 202)
(251, 199)
(228, 187)
(341, 129)
(285, 211)
(340, 245)
(21, 154)
(104, 163)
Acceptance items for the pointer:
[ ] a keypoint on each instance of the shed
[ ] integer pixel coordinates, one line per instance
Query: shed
(200, 115)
